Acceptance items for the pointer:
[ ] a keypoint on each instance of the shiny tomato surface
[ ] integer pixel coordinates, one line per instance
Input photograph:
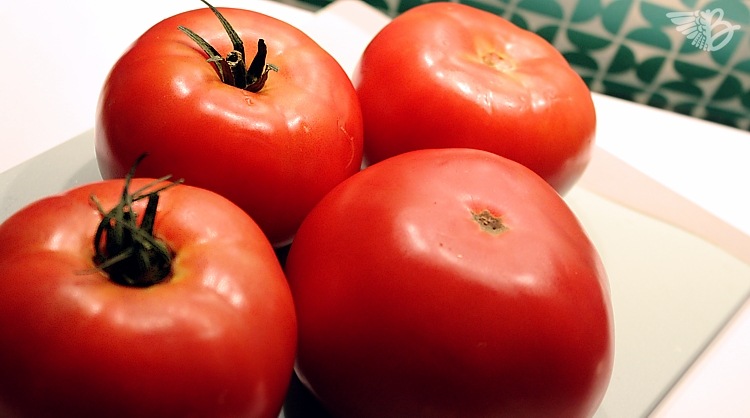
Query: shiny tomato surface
(450, 75)
(450, 283)
(274, 152)
(216, 338)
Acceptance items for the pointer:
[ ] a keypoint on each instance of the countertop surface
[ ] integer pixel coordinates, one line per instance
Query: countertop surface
(59, 53)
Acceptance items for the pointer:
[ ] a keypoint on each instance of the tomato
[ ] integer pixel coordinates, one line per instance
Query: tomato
(449, 75)
(450, 282)
(274, 152)
(214, 336)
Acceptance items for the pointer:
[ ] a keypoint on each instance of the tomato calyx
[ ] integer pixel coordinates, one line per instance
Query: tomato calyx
(231, 69)
(129, 253)
(489, 223)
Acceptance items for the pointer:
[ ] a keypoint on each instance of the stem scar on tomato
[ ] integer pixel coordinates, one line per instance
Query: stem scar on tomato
(129, 253)
(498, 61)
(489, 223)
(231, 68)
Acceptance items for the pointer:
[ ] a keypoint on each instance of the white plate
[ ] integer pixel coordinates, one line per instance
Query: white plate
(671, 290)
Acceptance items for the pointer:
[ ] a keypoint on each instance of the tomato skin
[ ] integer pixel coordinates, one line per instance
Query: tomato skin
(406, 307)
(218, 339)
(445, 75)
(274, 153)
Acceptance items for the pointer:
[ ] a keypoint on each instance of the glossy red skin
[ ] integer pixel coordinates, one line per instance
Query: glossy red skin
(274, 153)
(407, 308)
(217, 339)
(423, 83)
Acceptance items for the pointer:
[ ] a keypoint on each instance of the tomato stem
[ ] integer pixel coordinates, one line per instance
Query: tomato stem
(257, 74)
(231, 68)
(129, 253)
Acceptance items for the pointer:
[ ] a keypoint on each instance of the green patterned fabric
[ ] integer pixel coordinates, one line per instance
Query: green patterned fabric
(648, 51)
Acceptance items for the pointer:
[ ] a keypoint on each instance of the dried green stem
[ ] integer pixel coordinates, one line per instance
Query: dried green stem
(231, 68)
(129, 253)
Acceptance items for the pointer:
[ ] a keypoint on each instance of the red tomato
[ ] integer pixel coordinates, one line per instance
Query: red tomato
(447, 75)
(274, 152)
(215, 338)
(446, 283)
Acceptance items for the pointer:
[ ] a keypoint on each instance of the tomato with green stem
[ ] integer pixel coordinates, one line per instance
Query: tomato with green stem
(155, 299)
(272, 132)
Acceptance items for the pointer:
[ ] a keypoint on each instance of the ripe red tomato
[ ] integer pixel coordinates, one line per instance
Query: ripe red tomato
(449, 75)
(215, 338)
(274, 152)
(445, 283)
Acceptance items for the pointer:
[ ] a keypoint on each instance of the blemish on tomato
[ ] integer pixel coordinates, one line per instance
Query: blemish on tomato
(247, 97)
(489, 223)
(499, 62)
(350, 138)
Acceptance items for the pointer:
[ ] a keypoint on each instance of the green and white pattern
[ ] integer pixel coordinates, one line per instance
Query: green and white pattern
(647, 51)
